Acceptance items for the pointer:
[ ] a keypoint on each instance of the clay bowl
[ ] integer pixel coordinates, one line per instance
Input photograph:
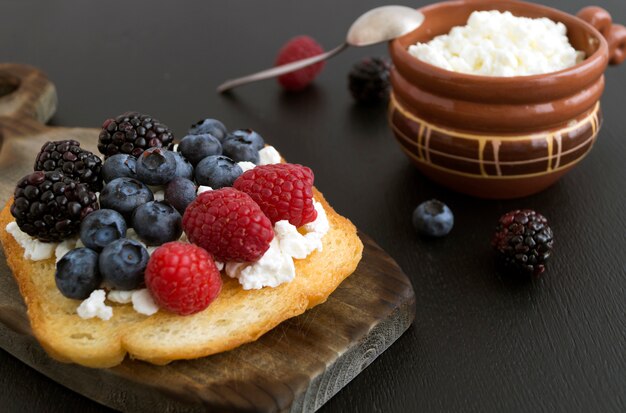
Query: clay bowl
(495, 137)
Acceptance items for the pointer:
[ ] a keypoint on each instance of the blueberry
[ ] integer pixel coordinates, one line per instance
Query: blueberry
(124, 195)
(197, 147)
(117, 166)
(122, 264)
(243, 145)
(77, 274)
(433, 218)
(156, 166)
(217, 172)
(179, 193)
(183, 168)
(157, 223)
(210, 126)
(102, 227)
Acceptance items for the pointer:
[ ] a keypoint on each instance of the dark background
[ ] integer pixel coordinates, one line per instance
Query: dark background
(479, 342)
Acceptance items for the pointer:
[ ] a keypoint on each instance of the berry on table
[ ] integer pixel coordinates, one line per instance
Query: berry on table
(217, 172)
(298, 48)
(102, 227)
(523, 242)
(182, 278)
(243, 145)
(368, 81)
(122, 264)
(156, 166)
(157, 223)
(124, 195)
(211, 126)
(50, 206)
(433, 218)
(179, 193)
(77, 274)
(228, 224)
(132, 133)
(197, 147)
(118, 166)
(283, 191)
(68, 157)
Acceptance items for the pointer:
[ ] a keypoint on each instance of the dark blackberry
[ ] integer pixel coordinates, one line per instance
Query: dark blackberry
(133, 133)
(75, 162)
(51, 206)
(523, 242)
(368, 80)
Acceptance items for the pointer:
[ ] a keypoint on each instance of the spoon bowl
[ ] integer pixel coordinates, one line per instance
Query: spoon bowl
(383, 24)
(375, 26)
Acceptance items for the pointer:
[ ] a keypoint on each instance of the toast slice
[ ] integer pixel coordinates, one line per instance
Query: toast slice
(236, 317)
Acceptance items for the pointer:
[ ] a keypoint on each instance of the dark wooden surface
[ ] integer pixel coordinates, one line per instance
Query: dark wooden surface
(479, 342)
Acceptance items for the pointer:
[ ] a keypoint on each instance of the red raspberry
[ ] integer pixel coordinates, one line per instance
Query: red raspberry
(228, 224)
(299, 48)
(282, 190)
(182, 278)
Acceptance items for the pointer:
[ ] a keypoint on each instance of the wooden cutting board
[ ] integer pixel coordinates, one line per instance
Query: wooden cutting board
(296, 367)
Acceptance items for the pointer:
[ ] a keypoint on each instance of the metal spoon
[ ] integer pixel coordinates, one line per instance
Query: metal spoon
(375, 26)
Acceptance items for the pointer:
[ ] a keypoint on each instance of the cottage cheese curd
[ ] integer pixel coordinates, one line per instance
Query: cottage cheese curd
(94, 306)
(501, 44)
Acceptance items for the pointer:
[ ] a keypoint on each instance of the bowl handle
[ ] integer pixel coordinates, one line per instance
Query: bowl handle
(615, 34)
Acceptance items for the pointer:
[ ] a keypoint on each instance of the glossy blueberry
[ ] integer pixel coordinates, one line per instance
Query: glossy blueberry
(243, 145)
(77, 274)
(433, 218)
(122, 264)
(118, 166)
(211, 126)
(156, 166)
(217, 172)
(197, 147)
(179, 193)
(102, 227)
(157, 223)
(124, 195)
(184, 169)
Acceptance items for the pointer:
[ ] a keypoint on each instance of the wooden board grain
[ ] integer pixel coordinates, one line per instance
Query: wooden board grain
(296, 367)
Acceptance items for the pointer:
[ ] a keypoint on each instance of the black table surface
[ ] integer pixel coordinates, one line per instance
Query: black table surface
(479, 342)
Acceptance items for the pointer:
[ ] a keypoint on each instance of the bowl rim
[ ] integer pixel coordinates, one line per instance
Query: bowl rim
(591, 63)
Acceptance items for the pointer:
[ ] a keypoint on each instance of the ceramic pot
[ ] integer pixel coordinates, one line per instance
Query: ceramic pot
(501, 137)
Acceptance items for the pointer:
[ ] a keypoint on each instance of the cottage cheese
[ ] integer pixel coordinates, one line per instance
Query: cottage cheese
(501, 44)
(246, 166)
(276, 266)
(269, 155)
(94, 306)
(34, 249)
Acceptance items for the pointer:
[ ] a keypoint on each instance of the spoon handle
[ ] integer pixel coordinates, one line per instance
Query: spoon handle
(279, 70)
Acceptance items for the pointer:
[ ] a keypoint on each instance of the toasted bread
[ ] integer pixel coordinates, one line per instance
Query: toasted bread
(236, 317)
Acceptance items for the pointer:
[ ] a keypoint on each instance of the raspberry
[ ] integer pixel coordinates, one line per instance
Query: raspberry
(283, 191)
(182, 278)
(523, 242)
(228, 224)
(299, 48)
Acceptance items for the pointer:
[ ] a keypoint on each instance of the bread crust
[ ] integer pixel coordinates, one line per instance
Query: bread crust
(236, 317)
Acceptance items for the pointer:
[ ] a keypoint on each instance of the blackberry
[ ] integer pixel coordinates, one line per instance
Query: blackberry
(133, 133)
(368, 80)
(51, 206)
(75, 162)
(523, 242)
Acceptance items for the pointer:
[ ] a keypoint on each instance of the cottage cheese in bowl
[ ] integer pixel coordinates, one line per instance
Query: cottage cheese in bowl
(501, 44)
